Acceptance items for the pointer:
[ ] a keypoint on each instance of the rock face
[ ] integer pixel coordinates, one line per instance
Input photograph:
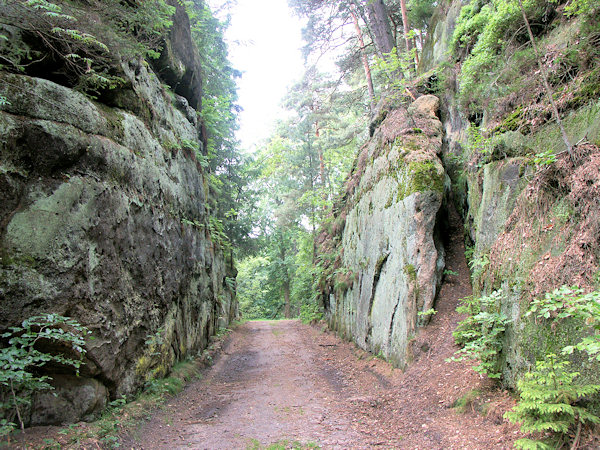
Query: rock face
(103, 219)
(389, 257)
(531, 229)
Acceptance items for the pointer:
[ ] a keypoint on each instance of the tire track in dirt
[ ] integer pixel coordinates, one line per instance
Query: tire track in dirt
(265, 387)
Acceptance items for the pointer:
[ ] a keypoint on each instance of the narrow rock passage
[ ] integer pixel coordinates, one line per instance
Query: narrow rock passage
(277, 381)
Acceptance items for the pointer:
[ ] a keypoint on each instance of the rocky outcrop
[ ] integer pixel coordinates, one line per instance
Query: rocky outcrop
(529, 227)
(103, 219)
(386, 257)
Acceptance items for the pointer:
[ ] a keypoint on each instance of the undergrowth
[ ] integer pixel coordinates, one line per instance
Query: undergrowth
(550, 404)
(123, 415)
(554, 403)
(499, 68)
(480, 335)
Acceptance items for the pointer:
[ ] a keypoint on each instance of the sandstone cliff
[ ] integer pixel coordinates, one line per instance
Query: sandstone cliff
(103, 218)
(531, 227)
(385, 252)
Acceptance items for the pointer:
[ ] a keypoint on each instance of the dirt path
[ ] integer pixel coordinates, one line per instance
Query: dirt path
(279, 381)
(267, 386)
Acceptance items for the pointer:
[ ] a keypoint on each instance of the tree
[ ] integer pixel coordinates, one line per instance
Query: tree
(406, 27)
(379, 23)
(363, 56)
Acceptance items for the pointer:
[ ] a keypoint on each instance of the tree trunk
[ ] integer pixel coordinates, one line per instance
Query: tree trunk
(363, 57)
(321, 166)
(380, 24)
(406, 31)
(285, 284)
(414, 41)
(286, 296)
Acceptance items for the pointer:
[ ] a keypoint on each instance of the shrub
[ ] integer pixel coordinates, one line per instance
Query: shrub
(571, 302)
(549, 404)
(21, 359)
(480, 335)
(310, 312)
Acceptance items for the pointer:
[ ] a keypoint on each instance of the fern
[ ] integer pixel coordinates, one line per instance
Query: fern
(550, 404)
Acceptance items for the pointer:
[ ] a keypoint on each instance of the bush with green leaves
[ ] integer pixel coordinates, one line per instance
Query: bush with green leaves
(572, 302)
(21, 358)
(480, 334)
(87, 45)
(484, 29)
(551, 404)
(310, 312)
(394, 69)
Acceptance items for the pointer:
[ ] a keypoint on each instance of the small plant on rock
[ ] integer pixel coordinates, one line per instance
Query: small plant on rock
(480, 335)
(21, 358)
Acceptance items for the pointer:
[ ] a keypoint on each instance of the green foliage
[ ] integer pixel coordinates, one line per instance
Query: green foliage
(429, 312)
(464, 403)
(87, 46)
(164, 386)
(480, 335)
(484, 29)
(479, 145)
(123, 413)
(545, 158)
(217, 233)
(155, 341)
(550, 404)
(231, 197)
(310, 313)
(394, 68)
(571, 302)
(581, 7)
(478, 265)
(22, 358)
(254, 294)
(498, 71)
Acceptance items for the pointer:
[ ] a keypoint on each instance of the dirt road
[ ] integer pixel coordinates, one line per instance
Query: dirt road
(284, 381)
(279, 382)
(270, 384)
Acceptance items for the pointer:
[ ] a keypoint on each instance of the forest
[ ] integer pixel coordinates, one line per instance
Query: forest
(422, 135)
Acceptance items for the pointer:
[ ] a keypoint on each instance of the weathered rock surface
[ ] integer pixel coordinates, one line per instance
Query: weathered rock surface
(103, 218)
(390, 257)
(520, 218)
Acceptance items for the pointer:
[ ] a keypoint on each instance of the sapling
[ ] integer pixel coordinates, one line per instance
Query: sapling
(22, 356)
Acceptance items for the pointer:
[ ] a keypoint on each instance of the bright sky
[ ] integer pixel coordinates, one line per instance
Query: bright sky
(264, 43)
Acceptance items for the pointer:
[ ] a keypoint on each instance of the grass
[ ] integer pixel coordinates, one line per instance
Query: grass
(282, 444)
(288, 410)
(467, 402)
(121, 415)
